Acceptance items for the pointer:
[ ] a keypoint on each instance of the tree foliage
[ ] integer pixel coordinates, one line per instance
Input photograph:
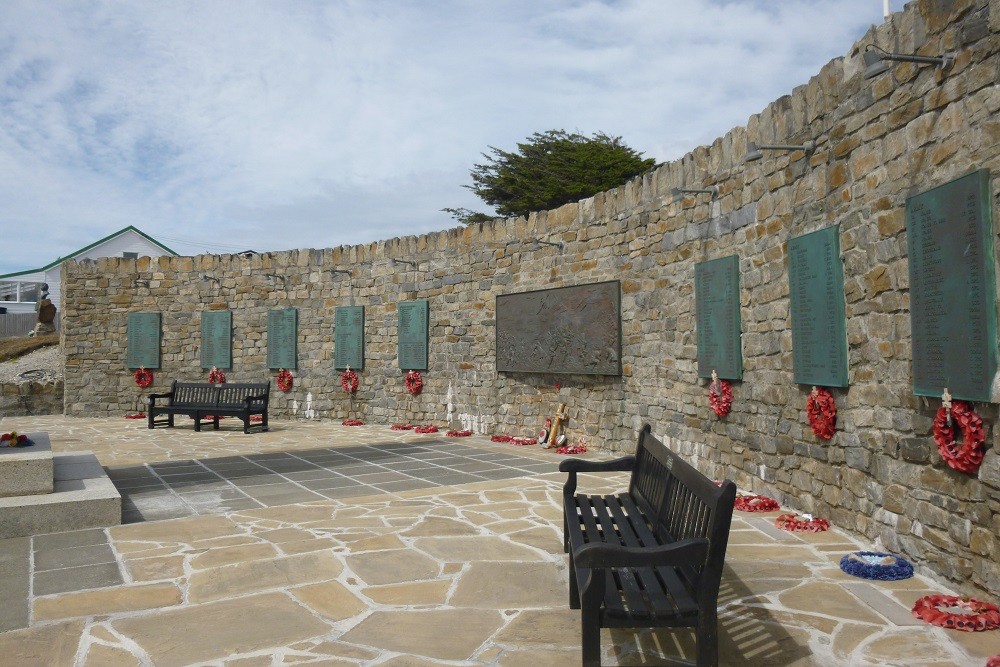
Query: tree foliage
(548, 170)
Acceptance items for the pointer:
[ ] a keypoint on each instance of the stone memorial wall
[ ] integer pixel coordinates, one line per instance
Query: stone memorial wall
(879, 142)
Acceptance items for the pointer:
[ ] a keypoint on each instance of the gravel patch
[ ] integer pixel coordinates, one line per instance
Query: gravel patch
(44, 365)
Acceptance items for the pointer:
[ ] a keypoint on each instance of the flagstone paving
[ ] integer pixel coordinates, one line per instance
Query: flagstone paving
(450, 574)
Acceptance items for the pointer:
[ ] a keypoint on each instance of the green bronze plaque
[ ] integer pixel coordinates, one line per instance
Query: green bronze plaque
(349, 337)
(413, 334)
(282, 332)
(216, 339)
(143, 340)
(717, 304)
(953, 303)
(816, 296)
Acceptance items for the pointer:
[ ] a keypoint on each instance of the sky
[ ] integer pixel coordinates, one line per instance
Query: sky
(225, 125)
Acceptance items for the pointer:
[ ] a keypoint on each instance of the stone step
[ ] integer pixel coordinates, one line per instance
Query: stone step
(82, 497)
(26, 470)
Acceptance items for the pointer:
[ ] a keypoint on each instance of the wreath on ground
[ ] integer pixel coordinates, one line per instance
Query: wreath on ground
(15, 439)
(135, 415)
(143, 377)
(876, 565)
(720, 396)
(285, 380)
(994, 661)
(579, 448)
(349, 381)
(215, 376)
(957, 613)
(428, 428)
(821, 408)
(414, 383)
(755, 503)
(352, 422)
(969, 456)
(458, 434)
(513, 440)
(402, 427)
(804, 524)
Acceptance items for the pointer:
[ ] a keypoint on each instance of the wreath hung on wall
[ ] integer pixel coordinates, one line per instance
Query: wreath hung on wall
(414, 383)
(285, 380)
(143, 377)
(755, 503)
(876, 565)
(215, 376)
(428, 428)
(950, 418)
(805, 524)
(956, 613)
(720, 396)
(821, 408)
(349, 381)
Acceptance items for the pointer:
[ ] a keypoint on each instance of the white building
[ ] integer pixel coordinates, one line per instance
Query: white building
(19, 292)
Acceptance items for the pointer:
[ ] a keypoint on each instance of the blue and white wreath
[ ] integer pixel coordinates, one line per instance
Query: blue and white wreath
(876, 565)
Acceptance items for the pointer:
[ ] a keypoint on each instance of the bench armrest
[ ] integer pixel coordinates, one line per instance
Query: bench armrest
(152, 397)
(685, 552)
(257, 398)
(573, 466)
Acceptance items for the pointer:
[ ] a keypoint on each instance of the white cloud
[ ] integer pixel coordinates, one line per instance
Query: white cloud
(310, 124)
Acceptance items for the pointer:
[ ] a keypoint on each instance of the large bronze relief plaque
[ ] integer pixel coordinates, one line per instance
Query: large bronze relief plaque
(717, 304)
(412, 325)
(217, 339)
(819, 321)
(143, 341)
(349, 337)
(564, 330)
(953, 305)
(282, 331)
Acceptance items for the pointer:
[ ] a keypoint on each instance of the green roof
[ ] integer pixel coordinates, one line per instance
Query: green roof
(86, 248)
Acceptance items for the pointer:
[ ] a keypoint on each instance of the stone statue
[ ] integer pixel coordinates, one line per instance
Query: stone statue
(46, 313)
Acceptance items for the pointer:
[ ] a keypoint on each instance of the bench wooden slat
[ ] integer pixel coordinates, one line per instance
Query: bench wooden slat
(631, 582)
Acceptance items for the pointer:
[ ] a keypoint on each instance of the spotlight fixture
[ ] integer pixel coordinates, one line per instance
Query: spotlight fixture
(755, 152)
(877, 60)
(274, 277)
(212, 279)
(140, 282)
(397, 262)
(344, 271)
(678, 193)
(538, 243)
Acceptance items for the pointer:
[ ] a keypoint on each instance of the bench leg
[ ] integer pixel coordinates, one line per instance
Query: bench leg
(215, 422)
(706, 635)
(574, 589)
(170, 420)
(197, 421)
(590, 621)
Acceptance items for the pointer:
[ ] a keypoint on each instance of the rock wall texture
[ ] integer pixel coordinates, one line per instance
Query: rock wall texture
(26, 399)
(879, 141)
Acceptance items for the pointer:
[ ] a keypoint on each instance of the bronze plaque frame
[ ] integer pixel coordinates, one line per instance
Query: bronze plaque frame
(282, 338)
(565, 330)
(717, 306)
(413, 333)
(143, 341)
(953, 303)
(217, 339)
(349, 337)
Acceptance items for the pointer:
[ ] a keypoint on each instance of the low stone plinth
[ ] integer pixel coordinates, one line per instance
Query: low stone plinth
(27, 471)
(82, 497)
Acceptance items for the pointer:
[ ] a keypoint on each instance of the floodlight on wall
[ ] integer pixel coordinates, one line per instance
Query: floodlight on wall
(877, 60)
(756, 152)
(215, 281)
(274, 277)
(678, 193)
(538, 243)
(344, 271)
(397, 262)
(140, 282)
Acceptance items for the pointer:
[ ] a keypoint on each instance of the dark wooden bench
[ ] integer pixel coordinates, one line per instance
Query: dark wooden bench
(205, 402)
(649, 557)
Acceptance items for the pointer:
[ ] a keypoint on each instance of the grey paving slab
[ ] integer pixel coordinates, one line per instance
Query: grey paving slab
(15, 559)
(55, 559)
(73, 538)
(76, 579)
